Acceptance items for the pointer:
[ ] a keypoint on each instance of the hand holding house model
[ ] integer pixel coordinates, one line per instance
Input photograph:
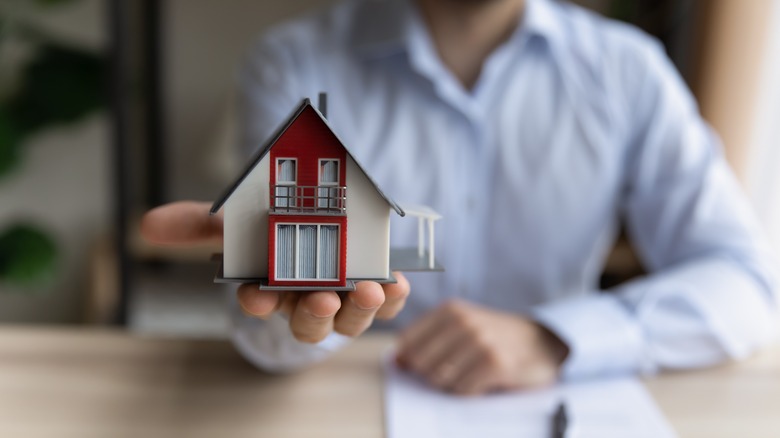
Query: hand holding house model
(305, 215)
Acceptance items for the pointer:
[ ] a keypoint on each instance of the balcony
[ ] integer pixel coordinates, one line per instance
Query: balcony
(314, 200)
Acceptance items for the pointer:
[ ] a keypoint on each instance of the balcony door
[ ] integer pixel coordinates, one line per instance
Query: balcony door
(307, 252)
(286, 177)
(328, 192)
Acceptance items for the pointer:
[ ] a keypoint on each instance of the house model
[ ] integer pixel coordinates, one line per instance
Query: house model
(305, 215)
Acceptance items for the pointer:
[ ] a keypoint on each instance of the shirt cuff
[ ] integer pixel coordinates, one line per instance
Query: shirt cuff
(602, 336)
(271, 346)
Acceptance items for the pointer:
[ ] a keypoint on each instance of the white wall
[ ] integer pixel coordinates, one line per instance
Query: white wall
(206, 40)
(62, 184)
(65, 182)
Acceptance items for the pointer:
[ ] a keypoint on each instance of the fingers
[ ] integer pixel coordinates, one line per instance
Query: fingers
(417, 335)
(314, 315)
(446, 347)
(458, 366)
(395, 297)
(425, 357)
(413, 338)
(358, 308)
(312, 318)
(181, 223)
(256, 302)
(441, 350)
(475, 380)
(370, 300)
(287, 302)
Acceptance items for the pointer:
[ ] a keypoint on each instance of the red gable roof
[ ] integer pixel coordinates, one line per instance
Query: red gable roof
(314, 121)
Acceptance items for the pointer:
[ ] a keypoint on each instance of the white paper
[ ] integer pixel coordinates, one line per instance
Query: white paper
(616, 407)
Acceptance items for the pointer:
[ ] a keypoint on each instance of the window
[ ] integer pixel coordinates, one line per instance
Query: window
(286, 177)
(307, 252)
(285, 251)
(329, 178)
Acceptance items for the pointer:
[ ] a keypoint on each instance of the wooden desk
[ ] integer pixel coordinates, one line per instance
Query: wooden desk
(88, 383)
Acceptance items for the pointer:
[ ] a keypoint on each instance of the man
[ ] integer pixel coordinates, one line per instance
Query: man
(535, 127)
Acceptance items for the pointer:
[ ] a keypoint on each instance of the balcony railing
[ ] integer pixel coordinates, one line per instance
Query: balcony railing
(309, 199)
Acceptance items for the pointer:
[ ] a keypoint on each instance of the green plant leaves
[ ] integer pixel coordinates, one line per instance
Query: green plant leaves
(27, 255)
(9, 143)
(60, 85)
(53, 2)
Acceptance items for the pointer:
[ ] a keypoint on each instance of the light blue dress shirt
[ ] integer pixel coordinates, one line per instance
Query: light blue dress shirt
(576, 124)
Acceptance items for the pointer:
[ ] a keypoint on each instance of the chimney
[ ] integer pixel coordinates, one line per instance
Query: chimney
(322, 105)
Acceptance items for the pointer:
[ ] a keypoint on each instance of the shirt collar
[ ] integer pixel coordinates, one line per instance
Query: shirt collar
(540, 18)
(381, 27)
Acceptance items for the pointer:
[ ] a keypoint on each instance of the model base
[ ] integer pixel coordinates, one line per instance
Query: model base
(263, 282)
(409, 260)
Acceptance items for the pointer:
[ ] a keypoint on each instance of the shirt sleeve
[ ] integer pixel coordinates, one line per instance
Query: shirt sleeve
(268, 82)
(711, 293)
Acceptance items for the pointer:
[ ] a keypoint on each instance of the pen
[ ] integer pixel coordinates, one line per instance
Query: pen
(560, 422)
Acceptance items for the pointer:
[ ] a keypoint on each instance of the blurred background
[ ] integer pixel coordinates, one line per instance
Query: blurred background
(110, 107)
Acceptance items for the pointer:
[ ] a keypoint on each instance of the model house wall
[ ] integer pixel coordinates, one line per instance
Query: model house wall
(368, 229)
(246, 226)
(251, 230)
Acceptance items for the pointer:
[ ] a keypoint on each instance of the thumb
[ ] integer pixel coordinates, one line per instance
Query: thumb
(181, 223)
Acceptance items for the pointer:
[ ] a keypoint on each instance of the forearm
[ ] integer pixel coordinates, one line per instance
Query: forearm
(696, 314)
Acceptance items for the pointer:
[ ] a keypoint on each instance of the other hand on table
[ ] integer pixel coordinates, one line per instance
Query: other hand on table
(468, 349)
